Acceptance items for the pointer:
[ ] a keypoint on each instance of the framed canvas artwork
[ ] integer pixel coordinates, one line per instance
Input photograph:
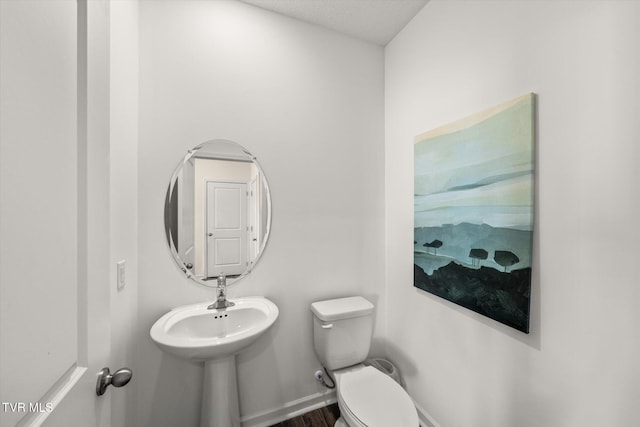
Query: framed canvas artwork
(473, 211)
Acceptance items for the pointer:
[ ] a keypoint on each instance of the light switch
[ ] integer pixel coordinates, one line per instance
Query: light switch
(121, 274)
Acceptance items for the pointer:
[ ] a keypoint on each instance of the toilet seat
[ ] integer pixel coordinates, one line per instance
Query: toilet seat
(369, 398)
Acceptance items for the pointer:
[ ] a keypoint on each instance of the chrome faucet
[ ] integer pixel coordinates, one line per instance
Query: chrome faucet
(221, 292)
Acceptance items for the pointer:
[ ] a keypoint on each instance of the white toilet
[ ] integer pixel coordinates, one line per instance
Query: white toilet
(342, 330)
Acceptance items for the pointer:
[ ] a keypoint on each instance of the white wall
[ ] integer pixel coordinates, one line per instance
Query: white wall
(578, 366)
(123, 164)
(309, 104)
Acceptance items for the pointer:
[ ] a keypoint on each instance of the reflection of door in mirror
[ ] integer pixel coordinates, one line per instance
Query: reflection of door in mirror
(226, 216)
(253, 225)
(226, 228)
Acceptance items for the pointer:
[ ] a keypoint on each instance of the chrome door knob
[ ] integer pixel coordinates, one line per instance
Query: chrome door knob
(119, 378)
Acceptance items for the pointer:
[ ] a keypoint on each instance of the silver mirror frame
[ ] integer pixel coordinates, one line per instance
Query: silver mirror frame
(176, 172)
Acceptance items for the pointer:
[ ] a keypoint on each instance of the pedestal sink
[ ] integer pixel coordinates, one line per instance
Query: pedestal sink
(196, 333)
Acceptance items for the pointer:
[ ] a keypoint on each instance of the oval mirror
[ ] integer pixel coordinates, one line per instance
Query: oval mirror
(217, 212)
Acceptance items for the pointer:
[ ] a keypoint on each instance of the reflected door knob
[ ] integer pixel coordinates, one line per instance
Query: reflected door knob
(119, 378)
(210, 234)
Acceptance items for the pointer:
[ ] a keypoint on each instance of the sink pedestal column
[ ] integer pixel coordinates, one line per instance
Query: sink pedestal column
(220, 406)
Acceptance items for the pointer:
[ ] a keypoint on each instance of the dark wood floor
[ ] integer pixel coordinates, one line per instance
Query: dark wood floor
(323, 417)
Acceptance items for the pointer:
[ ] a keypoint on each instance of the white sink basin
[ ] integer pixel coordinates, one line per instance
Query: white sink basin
(196, 333)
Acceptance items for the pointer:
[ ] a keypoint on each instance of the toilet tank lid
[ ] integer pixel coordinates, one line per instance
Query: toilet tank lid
(341, 308)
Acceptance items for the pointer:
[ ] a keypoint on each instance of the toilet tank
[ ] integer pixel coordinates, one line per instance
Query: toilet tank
(342, 330)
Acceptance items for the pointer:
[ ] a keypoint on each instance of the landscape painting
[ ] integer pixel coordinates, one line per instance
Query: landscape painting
(473, 211)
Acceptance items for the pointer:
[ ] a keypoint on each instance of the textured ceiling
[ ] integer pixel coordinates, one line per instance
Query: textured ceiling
(376, 21)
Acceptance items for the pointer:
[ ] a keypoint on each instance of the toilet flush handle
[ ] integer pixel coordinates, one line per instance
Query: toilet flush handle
(327, 325)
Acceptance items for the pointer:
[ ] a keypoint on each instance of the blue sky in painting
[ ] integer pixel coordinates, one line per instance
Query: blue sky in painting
(480, 173)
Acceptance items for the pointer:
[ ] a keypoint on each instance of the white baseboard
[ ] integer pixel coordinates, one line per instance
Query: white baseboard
(290, 410)
(310, 403)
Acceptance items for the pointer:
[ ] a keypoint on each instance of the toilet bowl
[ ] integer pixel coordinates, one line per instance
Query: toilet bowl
(342, 330)
(369, 398)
